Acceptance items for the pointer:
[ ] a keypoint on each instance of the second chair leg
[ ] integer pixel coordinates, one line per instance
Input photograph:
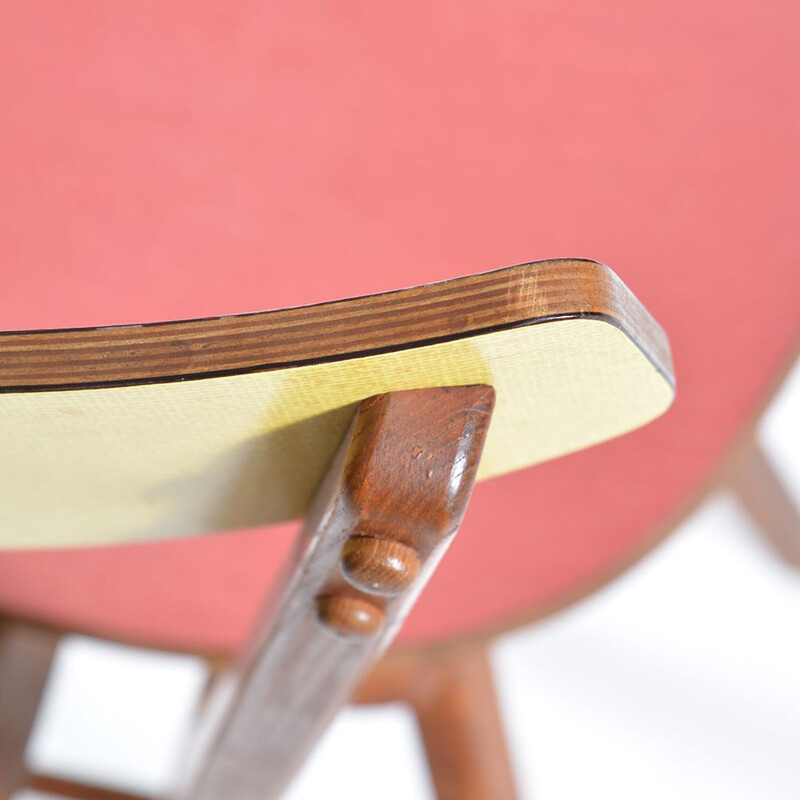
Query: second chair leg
(453, 696)
(25, 657)
(462, 729)
(766, 500)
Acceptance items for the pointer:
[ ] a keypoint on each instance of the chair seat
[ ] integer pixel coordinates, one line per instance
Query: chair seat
(192, 163)
(132, 433)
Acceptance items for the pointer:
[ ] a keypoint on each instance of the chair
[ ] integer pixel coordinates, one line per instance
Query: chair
(209, 425)
(374, 532)
(175, 162)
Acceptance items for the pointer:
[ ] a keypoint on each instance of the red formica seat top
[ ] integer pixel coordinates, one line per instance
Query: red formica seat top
(174, 160)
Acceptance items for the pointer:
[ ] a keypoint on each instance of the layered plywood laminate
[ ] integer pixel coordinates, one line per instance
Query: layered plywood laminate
(173, 429)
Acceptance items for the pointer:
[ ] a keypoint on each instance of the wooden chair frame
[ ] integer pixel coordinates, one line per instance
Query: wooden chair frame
(456, 706)
(382, 517)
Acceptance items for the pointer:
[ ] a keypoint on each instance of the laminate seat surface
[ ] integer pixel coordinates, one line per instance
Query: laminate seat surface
(122, 434)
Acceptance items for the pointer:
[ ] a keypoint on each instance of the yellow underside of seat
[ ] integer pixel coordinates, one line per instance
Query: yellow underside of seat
(99, 466)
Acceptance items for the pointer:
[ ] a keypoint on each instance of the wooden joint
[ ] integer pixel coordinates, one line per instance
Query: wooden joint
(350, 615)
(387, 509)
(379, 566)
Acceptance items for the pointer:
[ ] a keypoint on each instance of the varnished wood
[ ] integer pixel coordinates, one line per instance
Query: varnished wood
(379, 565)
(26, 654)
(522, 295)
(403, 474)
(349, 615)
(453, 696)
(766, 500)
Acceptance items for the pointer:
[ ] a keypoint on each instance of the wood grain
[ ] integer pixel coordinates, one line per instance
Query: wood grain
(348, 615)
(526, 294)
(403, 474)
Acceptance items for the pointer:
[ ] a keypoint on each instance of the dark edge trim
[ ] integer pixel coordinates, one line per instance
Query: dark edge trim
(342, 301)
(270, 367)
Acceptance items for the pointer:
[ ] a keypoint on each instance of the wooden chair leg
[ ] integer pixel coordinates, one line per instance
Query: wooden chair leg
(453, 696)
(389, 506)
(767, 501)
(462, 730)
(25, 657)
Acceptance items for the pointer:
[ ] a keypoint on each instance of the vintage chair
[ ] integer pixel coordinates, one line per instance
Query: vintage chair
(128, 433)
(170, 161)
(381, 519)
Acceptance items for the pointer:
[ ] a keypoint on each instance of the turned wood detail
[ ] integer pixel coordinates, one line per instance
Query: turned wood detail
(350, 616)
(389, 506)
(379, 566)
